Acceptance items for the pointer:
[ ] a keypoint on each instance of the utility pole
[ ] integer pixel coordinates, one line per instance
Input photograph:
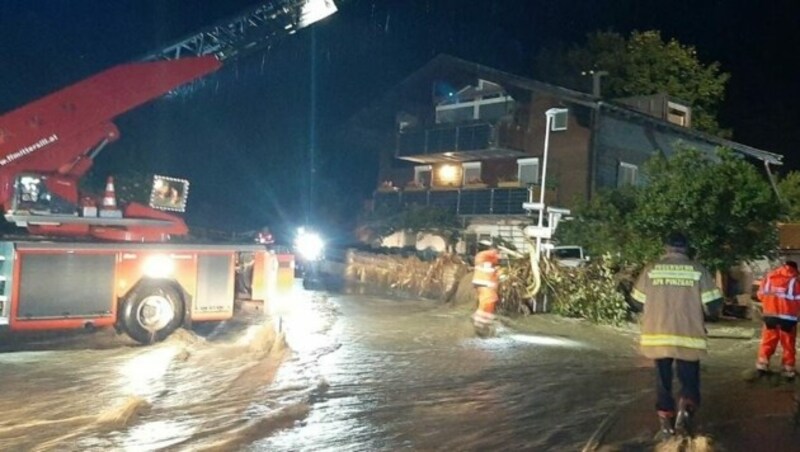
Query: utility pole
(596, 75)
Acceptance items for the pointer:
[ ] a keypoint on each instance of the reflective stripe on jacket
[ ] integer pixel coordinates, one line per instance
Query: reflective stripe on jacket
(486, 268)
(674, 291)
(780, 294)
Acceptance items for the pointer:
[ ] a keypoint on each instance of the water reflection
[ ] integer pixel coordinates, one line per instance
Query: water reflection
(364, 373)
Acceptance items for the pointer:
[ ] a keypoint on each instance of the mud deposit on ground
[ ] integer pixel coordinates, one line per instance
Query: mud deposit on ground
(189, 392)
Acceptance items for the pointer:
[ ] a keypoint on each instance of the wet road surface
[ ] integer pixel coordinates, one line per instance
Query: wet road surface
(411, 375)
(363, 373)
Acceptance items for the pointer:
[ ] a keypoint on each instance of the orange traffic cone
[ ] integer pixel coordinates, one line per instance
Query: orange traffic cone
(110, 197)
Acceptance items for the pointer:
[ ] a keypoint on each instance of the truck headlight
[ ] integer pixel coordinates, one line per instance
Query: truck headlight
(309, 245)
(158, 266)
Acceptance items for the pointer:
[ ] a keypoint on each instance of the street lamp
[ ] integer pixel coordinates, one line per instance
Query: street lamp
(595, 80)
(549, 114)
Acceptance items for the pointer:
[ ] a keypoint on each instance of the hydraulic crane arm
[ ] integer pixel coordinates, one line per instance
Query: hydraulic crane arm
(54, 132)
(47, 145)
(249, 31)
(56, 138)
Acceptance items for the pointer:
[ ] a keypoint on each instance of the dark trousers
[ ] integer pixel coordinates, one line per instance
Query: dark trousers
(689, 378)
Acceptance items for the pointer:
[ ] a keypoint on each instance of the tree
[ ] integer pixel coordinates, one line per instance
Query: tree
(789, 188)
(642, 64)
(722, 204)
(604, 226)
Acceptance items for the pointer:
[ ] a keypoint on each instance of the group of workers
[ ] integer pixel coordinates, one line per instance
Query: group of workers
(676, 295)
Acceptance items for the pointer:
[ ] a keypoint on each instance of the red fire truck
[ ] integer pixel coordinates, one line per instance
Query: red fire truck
(91, 263)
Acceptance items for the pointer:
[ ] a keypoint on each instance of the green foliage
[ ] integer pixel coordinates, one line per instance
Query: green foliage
(604, 226)
(789, 188)
(590, 292)
(726, 209)
(642, 64)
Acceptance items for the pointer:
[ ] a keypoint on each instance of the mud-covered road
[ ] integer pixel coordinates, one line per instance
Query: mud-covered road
(360, 373)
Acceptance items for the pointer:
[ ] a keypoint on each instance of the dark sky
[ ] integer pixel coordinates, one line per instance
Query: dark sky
(247, 138)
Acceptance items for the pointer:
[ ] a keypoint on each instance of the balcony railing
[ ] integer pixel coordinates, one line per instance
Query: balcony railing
(458, 142)
(489, 201)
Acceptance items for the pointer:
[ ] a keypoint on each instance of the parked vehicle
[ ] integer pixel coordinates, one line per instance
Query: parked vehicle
(569, 255)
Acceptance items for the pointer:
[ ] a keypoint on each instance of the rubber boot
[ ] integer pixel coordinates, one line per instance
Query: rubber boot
(484, 320)
(484, 331)
(666, 427)
(684, 420)
(788, 373)
(762, 368)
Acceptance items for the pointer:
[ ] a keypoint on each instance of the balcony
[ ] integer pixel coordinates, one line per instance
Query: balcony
(460, 142)
(464, 201)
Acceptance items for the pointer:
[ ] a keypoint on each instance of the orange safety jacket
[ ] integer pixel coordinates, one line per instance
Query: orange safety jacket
(486, 263)
(780, 294)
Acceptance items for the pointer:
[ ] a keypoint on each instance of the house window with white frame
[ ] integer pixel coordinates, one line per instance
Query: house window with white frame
(627, 174)
(472, 173)
(528, 171)
(422, 175)
(560, 121)
(679, 114)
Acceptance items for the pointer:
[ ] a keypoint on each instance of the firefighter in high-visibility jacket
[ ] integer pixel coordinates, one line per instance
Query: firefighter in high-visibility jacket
(486, 280)
(779, 293)
(676, 294)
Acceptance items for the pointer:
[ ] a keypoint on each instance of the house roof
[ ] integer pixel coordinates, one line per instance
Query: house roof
(417, 89)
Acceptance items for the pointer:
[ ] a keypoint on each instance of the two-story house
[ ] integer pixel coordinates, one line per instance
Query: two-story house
(465, 137)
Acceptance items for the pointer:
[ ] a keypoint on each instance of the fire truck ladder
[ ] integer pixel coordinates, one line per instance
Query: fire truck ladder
(254, 29)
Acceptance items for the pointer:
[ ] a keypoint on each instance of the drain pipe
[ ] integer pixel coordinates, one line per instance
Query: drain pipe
(771, 178)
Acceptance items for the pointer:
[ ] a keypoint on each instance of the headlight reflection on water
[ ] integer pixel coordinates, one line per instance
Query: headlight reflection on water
(156, 435)
(144, 371)
(545, 340)
(510, 340)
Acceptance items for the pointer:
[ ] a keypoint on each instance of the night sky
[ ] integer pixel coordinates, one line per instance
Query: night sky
(257, 138)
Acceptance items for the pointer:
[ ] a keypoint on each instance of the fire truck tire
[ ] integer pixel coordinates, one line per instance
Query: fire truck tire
(151, 312)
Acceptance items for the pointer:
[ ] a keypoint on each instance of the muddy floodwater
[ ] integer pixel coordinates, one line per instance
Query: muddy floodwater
(357, 372)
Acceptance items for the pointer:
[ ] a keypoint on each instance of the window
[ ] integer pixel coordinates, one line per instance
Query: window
(528, 171)
(627, 174)
(422, 175)
(679, 114)
(559, 121)
(472, 172)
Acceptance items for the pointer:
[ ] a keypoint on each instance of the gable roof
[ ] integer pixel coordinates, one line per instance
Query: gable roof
(416, 87)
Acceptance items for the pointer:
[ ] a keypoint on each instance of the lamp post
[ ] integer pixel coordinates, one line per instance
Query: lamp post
(595, 80)
(549, 114)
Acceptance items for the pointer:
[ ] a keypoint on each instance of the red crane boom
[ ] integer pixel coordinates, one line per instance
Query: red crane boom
(48, 145)
(56, 137)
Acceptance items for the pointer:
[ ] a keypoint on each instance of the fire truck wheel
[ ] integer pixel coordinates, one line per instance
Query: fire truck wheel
(152, 312)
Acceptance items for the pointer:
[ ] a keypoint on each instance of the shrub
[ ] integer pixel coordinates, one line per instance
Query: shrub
(518, 285)
(591, 292)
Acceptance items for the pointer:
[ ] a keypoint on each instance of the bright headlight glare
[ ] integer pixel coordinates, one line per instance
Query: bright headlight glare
(315, 10)
(158, 266)
(310, 246)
